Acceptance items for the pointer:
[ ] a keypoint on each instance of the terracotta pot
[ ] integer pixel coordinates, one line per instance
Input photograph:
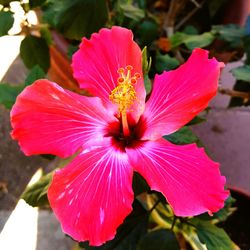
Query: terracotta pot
(238, 224)
(235, 11)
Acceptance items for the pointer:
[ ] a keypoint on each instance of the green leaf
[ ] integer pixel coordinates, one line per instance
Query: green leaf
(182, 136)
(177, 39)
(147, 32)
(132, 12)
(196, 120)
(142, 3)
(129, 233)
(146, 64)
(51, 11)
(226, 211)
(80, 18)
(222, 214)
(160, 239)
(71, 50)
(165, 62)
(34, 50)
(6, 22)
(214, 237)
(46, 34)
(199, 41)
(36, 3)
(139, 184)
(36, 195)
(35, 74)
(229, 32)
(192, 41)
(190, 30)
(5, 2)
(9, 93)
(147, 84)
(242, 73)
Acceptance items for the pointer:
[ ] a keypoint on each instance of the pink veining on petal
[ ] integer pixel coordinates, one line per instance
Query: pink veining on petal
(47, 119)
(96, 63)
(179, 95)
(93, 194)
(190, 181)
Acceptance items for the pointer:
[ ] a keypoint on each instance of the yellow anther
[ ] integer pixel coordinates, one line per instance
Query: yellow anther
(133, 80)
(129, 67)
(120, 70)
(137, 75)
(120, 79)
(124, 94)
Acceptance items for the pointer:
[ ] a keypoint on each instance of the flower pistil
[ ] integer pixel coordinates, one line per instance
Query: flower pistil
(124, 95)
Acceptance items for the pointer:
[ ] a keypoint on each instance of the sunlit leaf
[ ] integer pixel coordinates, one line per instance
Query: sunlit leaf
(177, 39)
(36, 195)
(192, 41)
(213, 237)
(199, 41)
(146, 65)
(242, 73)
(6, 22)
(132, 12)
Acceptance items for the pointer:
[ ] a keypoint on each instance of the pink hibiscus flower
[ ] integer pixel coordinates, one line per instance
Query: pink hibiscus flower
(117, 133)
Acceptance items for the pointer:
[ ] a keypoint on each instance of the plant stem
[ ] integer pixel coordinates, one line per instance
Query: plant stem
(154, 206)
(169, 21)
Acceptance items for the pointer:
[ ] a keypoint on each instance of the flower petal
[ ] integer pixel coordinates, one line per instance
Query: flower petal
(179, 95)
(96, 63)
(47, 119)
(93, 194)
(189, 180)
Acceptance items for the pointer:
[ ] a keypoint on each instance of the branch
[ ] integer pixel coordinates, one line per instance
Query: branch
(175, 8)
(189, 15)
(234, 93)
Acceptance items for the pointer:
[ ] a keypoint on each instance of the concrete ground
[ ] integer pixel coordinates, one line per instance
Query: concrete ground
(226, 135)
